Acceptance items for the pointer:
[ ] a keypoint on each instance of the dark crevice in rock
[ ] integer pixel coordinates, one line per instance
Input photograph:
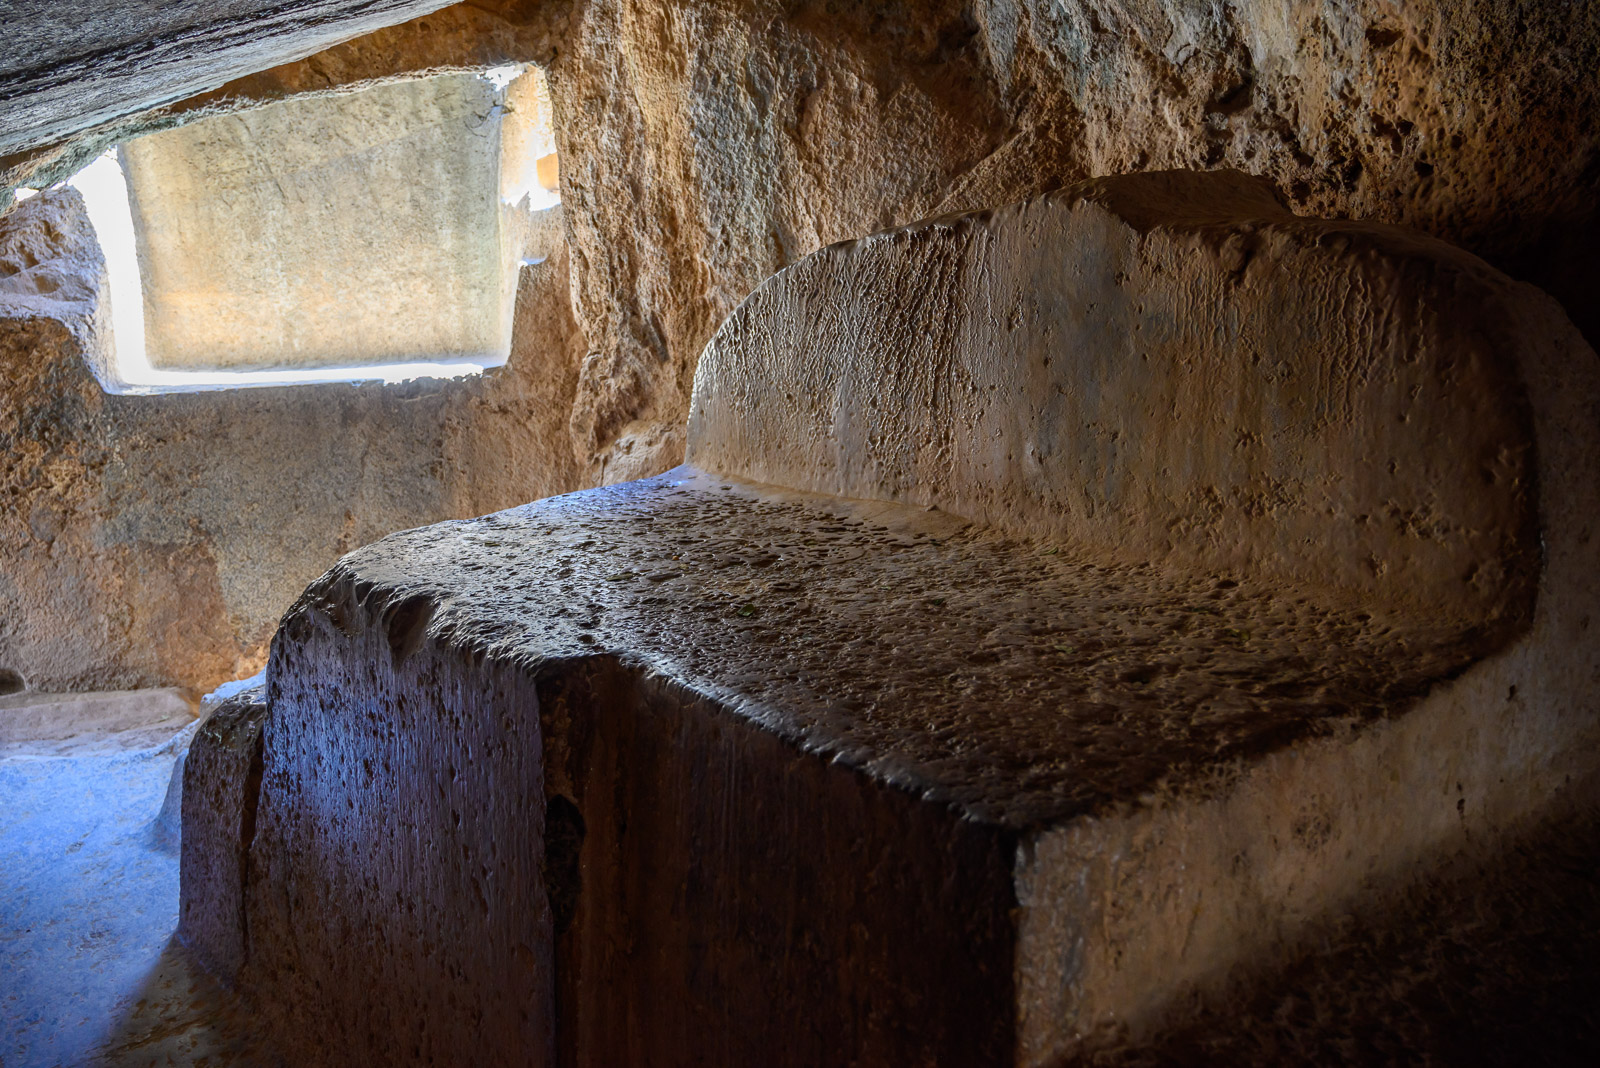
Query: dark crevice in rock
(406, 624)
(563, 845)
(249, 804)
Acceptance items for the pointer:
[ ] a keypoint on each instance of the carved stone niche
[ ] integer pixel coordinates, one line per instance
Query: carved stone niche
(1063, 606)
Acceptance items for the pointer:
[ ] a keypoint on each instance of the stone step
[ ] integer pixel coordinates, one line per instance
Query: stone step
(61, 724)
(220, 794)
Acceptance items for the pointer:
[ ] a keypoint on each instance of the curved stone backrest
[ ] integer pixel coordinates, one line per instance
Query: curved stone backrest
(1164, 367)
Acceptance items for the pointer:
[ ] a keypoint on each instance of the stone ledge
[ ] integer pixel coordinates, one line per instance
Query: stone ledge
(670, 706)
(1015, 679)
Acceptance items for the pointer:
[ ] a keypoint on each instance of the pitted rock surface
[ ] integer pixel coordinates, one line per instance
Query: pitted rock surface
(852, 769)
(1170, 367)
(1019, 680)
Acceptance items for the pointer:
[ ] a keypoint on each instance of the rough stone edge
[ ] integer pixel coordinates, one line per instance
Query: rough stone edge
(87, 322)
(407, 626)
(221, 788)
(193, 59)
(387, 54)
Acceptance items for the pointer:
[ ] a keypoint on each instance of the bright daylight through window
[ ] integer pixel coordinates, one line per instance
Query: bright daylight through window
(357, 236)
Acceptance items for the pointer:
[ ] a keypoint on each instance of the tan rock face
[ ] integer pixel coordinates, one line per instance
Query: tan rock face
(846, 770)
(1165, 367)
(709, 144)
(706, 145)
(150, 541)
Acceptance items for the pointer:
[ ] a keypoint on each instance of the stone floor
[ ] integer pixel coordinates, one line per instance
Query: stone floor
(89, 971)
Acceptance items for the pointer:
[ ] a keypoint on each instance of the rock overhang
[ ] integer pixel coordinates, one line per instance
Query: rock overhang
(125, 58)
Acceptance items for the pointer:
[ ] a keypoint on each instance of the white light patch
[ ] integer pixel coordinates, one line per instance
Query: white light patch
(500, 77)
(534, 197)
(525, 193)
(104, 188)
(105, 195)
(22, 193)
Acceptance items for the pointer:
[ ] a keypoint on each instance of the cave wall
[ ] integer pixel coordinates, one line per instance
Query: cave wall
(155, 540)
(709, 143)
(706, 144)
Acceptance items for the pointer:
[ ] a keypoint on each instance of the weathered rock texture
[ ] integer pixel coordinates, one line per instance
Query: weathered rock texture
(705, 145)
(1099, 366)
(221, 784)
(697, 769)
(708, 144)
(149, 541)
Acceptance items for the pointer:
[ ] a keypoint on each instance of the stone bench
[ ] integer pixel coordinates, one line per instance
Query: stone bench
(1062, 606)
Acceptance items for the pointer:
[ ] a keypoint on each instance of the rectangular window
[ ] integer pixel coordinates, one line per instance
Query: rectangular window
(354, 236)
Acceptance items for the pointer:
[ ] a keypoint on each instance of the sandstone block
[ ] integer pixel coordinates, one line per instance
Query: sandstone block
(1014, 661)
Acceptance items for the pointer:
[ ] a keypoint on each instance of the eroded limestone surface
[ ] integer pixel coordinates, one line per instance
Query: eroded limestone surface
(738, 136)
(1169, 368)
(1015, 679)
(729, 761)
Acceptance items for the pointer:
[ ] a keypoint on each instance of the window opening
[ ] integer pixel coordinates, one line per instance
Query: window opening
(353, 237)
